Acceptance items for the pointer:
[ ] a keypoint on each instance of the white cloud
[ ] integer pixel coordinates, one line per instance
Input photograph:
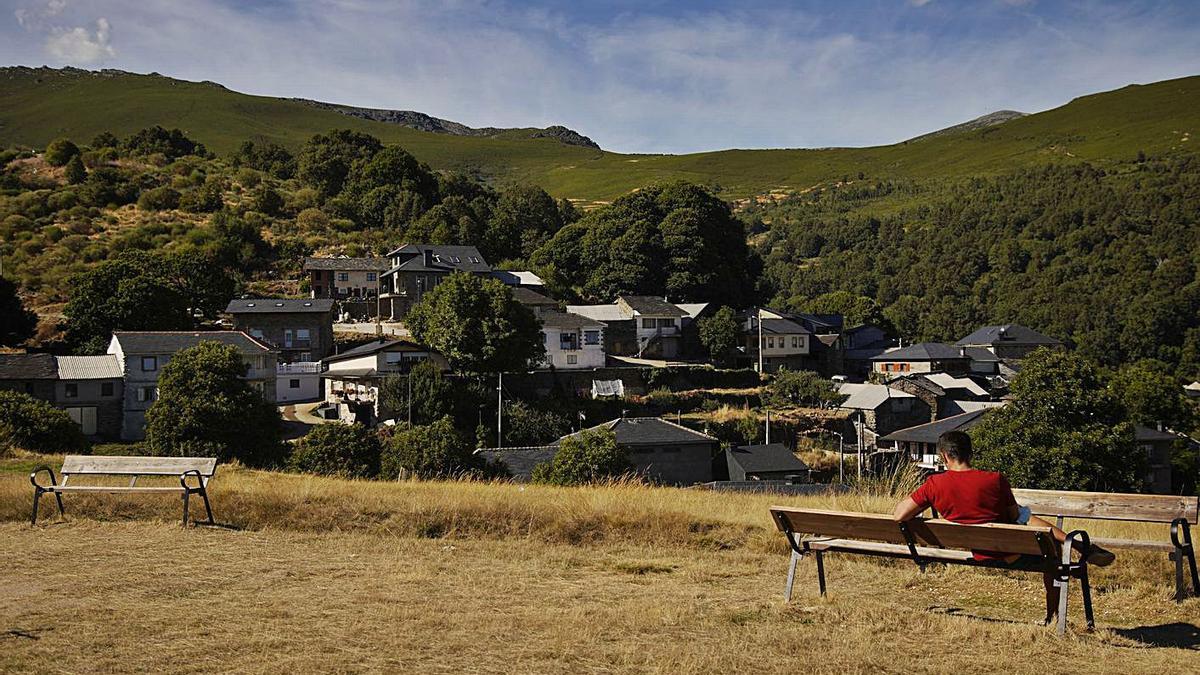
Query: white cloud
(78, 45)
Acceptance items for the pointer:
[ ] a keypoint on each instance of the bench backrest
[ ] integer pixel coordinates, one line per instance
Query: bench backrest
(137, 466)
(996, 537)
(1110, 505)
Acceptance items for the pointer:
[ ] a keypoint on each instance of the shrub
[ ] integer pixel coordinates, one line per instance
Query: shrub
(431, 451)
(801, 388)
(587, 457)
(60, 151)
(526, 425)
(32, 424)
(159, 199)
(338, 449)
(75, 172)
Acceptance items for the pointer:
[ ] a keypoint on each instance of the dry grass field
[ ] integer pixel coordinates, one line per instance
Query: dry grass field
(312, 574)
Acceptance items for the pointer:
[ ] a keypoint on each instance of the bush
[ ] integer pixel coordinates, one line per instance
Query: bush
(32, 424)
(587, 457)
(60, 151)
(338, 449)
(159, 199)
(801, 388)
(432, 451)
(526, 425)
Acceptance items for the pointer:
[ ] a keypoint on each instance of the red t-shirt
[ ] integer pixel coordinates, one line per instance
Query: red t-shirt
(970, 497)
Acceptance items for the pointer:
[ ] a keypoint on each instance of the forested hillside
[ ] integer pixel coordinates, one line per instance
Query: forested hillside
(1104, 258)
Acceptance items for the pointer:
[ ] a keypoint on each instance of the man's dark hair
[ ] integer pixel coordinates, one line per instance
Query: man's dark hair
(955, 445)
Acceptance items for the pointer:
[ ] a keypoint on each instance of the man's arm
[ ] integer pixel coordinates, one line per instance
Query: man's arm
(907, 509)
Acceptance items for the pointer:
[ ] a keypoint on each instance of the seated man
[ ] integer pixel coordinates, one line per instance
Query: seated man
(963, 494)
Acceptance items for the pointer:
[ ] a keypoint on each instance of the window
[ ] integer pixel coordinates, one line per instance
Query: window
(149, 364)
(475, 259)
(343, 276)
(28, 387)
(71, 390)
(287, 337)
(795, 342)
(371, 276)
(455, 259)
(146, 394)
(770, 343)
(649, 323)
(304, 356)
(293, 384)
(256, 333)
(302, 334)
(591, 337)
(106, 388)
(572, 359)
(316, 291)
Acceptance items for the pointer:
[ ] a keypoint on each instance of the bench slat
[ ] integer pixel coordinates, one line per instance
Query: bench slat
(1110, 505)
(114, 488)
(138, 466)
(1143, 544)
(936, 533)
(895, 550)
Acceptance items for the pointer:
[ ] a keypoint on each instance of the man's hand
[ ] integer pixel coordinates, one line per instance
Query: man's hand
(906, 510)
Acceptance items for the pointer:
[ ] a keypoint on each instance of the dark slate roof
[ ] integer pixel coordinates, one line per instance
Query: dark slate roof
(651, 431)
(568, 320)
(649, 304)
(519, 461)
(770, 457)
(923, 351)
(931, 431)
(1147, 434)
(445, 259)
(528, 297)
(169, 342)
(982, 354)
(371, 348)
(28, 367)
(279, 306)
(348, 264)
(1008, 334)
(780, 327)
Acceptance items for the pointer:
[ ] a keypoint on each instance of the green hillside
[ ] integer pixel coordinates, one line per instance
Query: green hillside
(37, 105)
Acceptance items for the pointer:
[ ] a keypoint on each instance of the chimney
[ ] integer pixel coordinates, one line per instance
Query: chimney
(428, 257)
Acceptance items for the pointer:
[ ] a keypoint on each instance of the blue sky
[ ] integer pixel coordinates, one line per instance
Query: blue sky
(648, 76)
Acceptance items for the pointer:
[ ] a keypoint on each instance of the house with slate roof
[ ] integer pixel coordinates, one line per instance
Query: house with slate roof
(353, 379)
(919, 443)
(665, 452)
(572, 341)
(644, 326)
(32, 374)
(88, 388)
(301, 330)
(418, 268)
(783, 341)
(923, 357)
(1009, 341)
(342, 278)
(143, 354)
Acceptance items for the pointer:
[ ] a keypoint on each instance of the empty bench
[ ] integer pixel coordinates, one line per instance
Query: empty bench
(924, 541)
(193, 474)
(1180, 512)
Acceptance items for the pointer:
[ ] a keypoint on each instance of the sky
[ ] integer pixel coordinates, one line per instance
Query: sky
(637, 76)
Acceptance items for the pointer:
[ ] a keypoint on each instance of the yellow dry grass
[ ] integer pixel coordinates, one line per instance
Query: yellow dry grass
(330, 575)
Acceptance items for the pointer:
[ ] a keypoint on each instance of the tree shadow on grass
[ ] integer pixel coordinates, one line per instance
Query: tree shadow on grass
(959, 611)
(1179, 635)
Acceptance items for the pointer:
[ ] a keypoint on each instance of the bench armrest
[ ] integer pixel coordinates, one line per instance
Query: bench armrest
(1177, 525)
(35, 472)
(191, 472)
(1085, 544)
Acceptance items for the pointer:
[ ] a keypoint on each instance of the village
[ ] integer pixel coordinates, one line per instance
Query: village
(327, 358)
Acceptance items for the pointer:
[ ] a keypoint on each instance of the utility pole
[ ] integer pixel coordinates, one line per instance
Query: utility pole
(768, 434)
(758, 311)
(408, 383)
(500, 410)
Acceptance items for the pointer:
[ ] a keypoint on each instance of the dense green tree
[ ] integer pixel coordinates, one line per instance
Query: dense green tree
(338, 449)
(806, 388)
(156, 140)
(159, 199)
(35, 425)
(591, 456)
(436, 450)
(525, 425)
(75, 172)
(477, 325)
(206, 408)
(127, 293)
(104, 139)
(856, 309)
(326, 159)
(720, 335)
(266, 156)
(1152, 396)
(1064, 430)
(17, 324)
(60, 151)
(525, 217)
(433, 396)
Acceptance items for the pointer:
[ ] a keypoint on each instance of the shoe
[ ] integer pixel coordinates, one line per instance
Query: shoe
(1100, 557)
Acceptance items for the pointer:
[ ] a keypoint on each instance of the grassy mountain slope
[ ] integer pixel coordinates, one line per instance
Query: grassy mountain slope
(37, 105)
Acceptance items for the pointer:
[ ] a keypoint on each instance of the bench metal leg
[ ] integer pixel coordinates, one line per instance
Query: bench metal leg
(207, 508)
(1063, 585)
(820, 570)
(1180, 591)
(37, 497)
(791, 577)
(1086, 587)
(185, 507)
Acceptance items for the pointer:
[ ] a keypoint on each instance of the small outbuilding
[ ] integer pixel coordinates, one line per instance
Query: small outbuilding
(772, 461)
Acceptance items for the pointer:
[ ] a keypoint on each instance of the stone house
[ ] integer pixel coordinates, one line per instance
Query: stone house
(33, 374)
(923, 357)
(143, 354)
(417, 269)
(572, 341)
(782, 342)
(353, 378)
(1009, 341)
(88, 388)
(643, 326)
(345, 278)
(877, 410)
(300, 330)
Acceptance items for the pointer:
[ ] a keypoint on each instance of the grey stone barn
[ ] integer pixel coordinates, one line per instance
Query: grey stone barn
(665, 452)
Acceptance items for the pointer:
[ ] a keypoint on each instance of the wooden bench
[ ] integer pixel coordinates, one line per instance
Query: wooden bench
(198, 469)
(924, 541)
(1180, 512)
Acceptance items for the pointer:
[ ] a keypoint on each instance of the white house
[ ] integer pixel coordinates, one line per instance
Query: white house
(354, 377)
(572, 341)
